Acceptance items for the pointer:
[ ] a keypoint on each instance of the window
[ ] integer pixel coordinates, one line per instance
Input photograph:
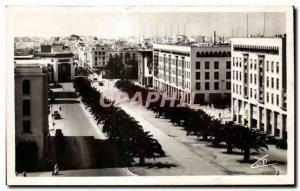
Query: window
(250, 78)
(206, 65)
(206, 85)
(267, 82)
(240, 75)
(267, 97)
(216, 75)
(197, 65)
(272, 82)
(207, 75)
(26, 126)
(228, 76)
(255, 79)
(26, 107)
(272, 66)
(277, 99)
(228, 85)
(237, 75)
(198, 87)
(267, 66)
(233, 74)
(240, 89)
(26, 87)
(272, 98)
(277, 83)
(216, 65)
(228, 65)
(216, 85)
(198, 54)
(197, 75)
(251, 92)
(277, 67)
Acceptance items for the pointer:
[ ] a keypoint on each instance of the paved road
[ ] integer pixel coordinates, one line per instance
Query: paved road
(192, 163)
(84, 139)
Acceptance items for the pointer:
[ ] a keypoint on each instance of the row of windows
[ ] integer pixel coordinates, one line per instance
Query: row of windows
(271, 82)
(237, 89)
(127, 54)
(270, 98)
(172, 61)
(213, 54)
(184, 74)
(269, 65)
(99, 53)
(272, 67)
(64, 60)
(255, 48)
(253, 94)
(216, 86)
(216, 75)
(216, 65)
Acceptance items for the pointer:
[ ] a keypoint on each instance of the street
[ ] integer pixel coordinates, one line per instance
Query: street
(86, 145)
(196, 157)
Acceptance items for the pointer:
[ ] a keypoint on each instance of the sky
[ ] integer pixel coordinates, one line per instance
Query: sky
(127, 23)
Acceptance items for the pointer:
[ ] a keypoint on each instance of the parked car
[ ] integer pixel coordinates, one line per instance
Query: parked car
(101, 83)
(56, 115)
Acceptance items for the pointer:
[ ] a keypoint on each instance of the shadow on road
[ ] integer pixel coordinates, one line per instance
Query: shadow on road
(84, 152)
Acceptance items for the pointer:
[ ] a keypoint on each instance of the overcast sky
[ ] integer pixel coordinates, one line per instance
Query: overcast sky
(113, 24)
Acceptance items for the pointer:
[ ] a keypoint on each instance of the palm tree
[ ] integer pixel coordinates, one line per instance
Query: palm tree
(126, 135)
(252, 139)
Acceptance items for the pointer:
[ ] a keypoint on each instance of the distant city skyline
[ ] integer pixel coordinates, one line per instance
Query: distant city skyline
(114, 24)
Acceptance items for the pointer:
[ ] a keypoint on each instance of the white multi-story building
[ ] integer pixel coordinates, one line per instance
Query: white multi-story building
(259, 84)
(98, 56)
(196, 74)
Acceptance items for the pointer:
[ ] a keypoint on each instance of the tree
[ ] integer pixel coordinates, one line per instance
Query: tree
(131, 72)
(252, 139)
(124, 132)
(115, 67)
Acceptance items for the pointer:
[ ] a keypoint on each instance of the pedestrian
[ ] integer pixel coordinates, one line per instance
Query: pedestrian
(24, 174)
(55, 170)
(219, 115)
(59, 108)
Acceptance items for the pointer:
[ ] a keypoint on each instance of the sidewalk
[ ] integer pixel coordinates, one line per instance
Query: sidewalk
(84, 172)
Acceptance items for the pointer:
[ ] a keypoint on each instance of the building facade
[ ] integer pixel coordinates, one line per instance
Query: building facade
(259, 84)
(197, 74)
(61, 67)
(31, 109)
(145, 68)
(98, 57)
